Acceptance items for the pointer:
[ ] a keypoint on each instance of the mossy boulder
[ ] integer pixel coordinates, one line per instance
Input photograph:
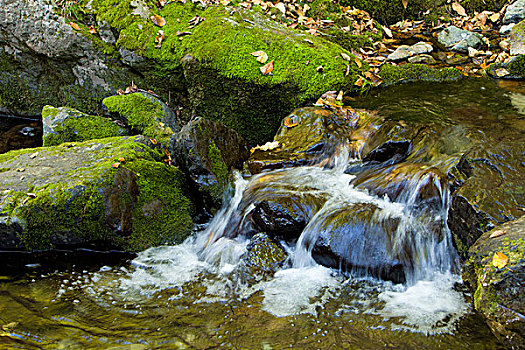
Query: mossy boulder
(208, 151)
(517, 39)
(66, 124)
(264, 254)
(412, 72)
(144, 114)
(110, 192)
(498, 292)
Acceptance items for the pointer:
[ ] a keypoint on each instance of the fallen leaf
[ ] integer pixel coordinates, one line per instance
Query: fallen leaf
(153, 141)
(497, 233)
(358, 62)
(262, 57)
(10, 326)
(501, 72)
(459, 9)
(360, 82)
(320, 69)
(92, 29)
(494, 17)
(500, 260)
(281, 7)
(289, 123)
(267, 68)
(387, 31)
(182, 33)
(121, 159)
(405, 3)
(116, 165)
(345, 56)
(158, 20)
(31, 195)
(159, 38)
(339, 96)
(20, 170)
(33, 155)
(74, 25)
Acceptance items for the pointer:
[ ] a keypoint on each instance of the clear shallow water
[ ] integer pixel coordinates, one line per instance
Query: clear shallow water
(192, 297)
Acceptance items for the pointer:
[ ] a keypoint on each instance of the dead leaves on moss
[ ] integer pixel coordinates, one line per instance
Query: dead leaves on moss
(74, 25)
(158, 20)
(267, 69)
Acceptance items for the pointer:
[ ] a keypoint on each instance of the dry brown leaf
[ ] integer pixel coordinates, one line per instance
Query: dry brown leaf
(121, 159)
(339, 96)
(345, 56)
(267, 68)
(387, 31)
(459, 9)
(497, 233)
(115, 165)
(74, 25)
(405, 3)
(500, 260)
(159, 38)
(360, 82)
(158, 20)
(92, 29)
(262, 57)
(281, 7)
(31, 195)
(494, 17)
(358, 62)
(289, 123)
(501, 72)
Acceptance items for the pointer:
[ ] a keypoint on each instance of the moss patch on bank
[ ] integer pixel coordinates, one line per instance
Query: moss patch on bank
(412, 72)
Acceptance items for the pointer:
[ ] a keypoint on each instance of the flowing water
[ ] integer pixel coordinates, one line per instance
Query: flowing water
(201, 294)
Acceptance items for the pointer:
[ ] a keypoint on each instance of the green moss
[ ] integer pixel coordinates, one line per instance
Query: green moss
(517, 66)
(220, 170)
(417, 72)
(225, 42)
(141, 114)
(78, 127)
(148, 198)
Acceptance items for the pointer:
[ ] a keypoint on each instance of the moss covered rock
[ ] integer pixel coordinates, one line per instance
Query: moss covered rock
(498, 292)
(66, 124)
(144, 114)
(111, 192)
(412, 72)
(208, 151)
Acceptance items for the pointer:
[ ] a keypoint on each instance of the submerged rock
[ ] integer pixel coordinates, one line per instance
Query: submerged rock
(109, 193)
(264, 254)
(412, 72)
(66, 124)
(208, 151)
(286, 221)
(144, 114)
(460, 40)
(499, 293)
(513, 69)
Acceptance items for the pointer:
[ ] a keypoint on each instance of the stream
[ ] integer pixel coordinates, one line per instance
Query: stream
(203, 294)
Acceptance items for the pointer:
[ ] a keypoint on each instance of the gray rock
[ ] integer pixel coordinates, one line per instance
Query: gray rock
(207, 151)
(427, 59)
(517, 39)
(460, 40)
(105, 32)
(405, 51)
(505, 29)
(130, 58)
(515, 12)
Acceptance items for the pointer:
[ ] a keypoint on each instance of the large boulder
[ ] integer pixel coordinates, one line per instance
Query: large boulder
(66, 124)
(498, 291)
(144, 114)
(203, 67)
(111, 192)
(208, 151)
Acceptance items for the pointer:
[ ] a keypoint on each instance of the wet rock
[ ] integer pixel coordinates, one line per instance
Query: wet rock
(17, 134)
(517, 39)
(405, 51)
(208, 151)
(498, 292)
(412, 72)
(312, 137)
(460, 40)
(515, 12)
(355, 241)
(66, 124)
(284, 219)
(145, 114)
(513, 69)
(426, 59)
(96, 200)
(264, 254)
(390, 152)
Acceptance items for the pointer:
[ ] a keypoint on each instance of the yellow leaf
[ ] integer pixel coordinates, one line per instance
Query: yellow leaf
(387, 31)
(267, 68)
(497, 233)
(74, 25)
(339, 96)
(358, 62)
(405, 3)
(121, 159)
(289, 123)
(500, 260)
(115, 165)
(92, 30)
(459, 9)
(158, 20)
